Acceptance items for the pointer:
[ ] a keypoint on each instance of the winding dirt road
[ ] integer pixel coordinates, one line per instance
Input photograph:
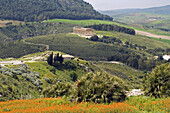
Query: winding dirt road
(151, 35)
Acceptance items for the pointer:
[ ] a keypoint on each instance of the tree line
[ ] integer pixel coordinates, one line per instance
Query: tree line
(106, 27)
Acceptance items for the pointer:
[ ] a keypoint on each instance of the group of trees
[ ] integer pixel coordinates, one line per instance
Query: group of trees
(106, 39)
(31, 10)
(52, 59)
(106, 27)
(135, 61)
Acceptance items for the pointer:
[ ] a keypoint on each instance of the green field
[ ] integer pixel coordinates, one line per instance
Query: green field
(162, 40)
(80, 22)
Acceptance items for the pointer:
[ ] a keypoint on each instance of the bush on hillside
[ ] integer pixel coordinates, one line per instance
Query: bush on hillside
(94, 38)
(99, 88)
(57, 90)
(157, 83)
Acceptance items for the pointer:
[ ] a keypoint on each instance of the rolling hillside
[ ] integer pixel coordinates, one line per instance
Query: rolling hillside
(153, 10)
(31, 10)
(36, 75)
(156, 18)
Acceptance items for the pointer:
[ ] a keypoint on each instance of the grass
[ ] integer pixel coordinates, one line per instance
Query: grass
(80, 22)
(131, 105)
(162, 40)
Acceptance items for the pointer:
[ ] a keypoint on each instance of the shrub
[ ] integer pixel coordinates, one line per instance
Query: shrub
(94, 38)
(57, 90)
(157, 83)
(73, 76)
(99, 88)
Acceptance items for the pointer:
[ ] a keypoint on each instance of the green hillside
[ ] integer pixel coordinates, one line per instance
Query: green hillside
(31, 10)
(155, 20)
(39, 75)
(137, 53)
(77, 46)
(139, 40)
(132, 77)
(17, 49)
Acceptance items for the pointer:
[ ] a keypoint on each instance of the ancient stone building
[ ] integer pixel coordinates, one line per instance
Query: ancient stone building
(83, 31)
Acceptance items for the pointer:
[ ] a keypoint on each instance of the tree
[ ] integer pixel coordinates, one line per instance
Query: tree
(94, 38)
(57, 90)
(157, 83)
(99, 88)
(61, 59)
(160, 57)
(57, 57)
(50, 59)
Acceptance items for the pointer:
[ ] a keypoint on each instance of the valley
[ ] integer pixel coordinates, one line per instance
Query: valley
(64, 56)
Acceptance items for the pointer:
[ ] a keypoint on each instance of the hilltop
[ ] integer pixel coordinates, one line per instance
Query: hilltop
(38, 10)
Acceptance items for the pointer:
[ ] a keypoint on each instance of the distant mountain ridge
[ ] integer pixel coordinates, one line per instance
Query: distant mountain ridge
(38, 10)
(156, 10)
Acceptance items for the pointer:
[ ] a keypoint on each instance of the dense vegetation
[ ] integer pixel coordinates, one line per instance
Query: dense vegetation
(105, 27)
(31, 10)
(157, 83)
(98, 88)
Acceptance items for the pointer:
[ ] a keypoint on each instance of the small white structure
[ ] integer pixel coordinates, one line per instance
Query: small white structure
(134, 92)
(68, 57)
(166, 57)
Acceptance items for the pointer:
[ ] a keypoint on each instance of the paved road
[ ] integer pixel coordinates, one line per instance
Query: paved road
(151, 35)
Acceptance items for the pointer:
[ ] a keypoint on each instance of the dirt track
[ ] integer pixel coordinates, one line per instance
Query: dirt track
(152, 35)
